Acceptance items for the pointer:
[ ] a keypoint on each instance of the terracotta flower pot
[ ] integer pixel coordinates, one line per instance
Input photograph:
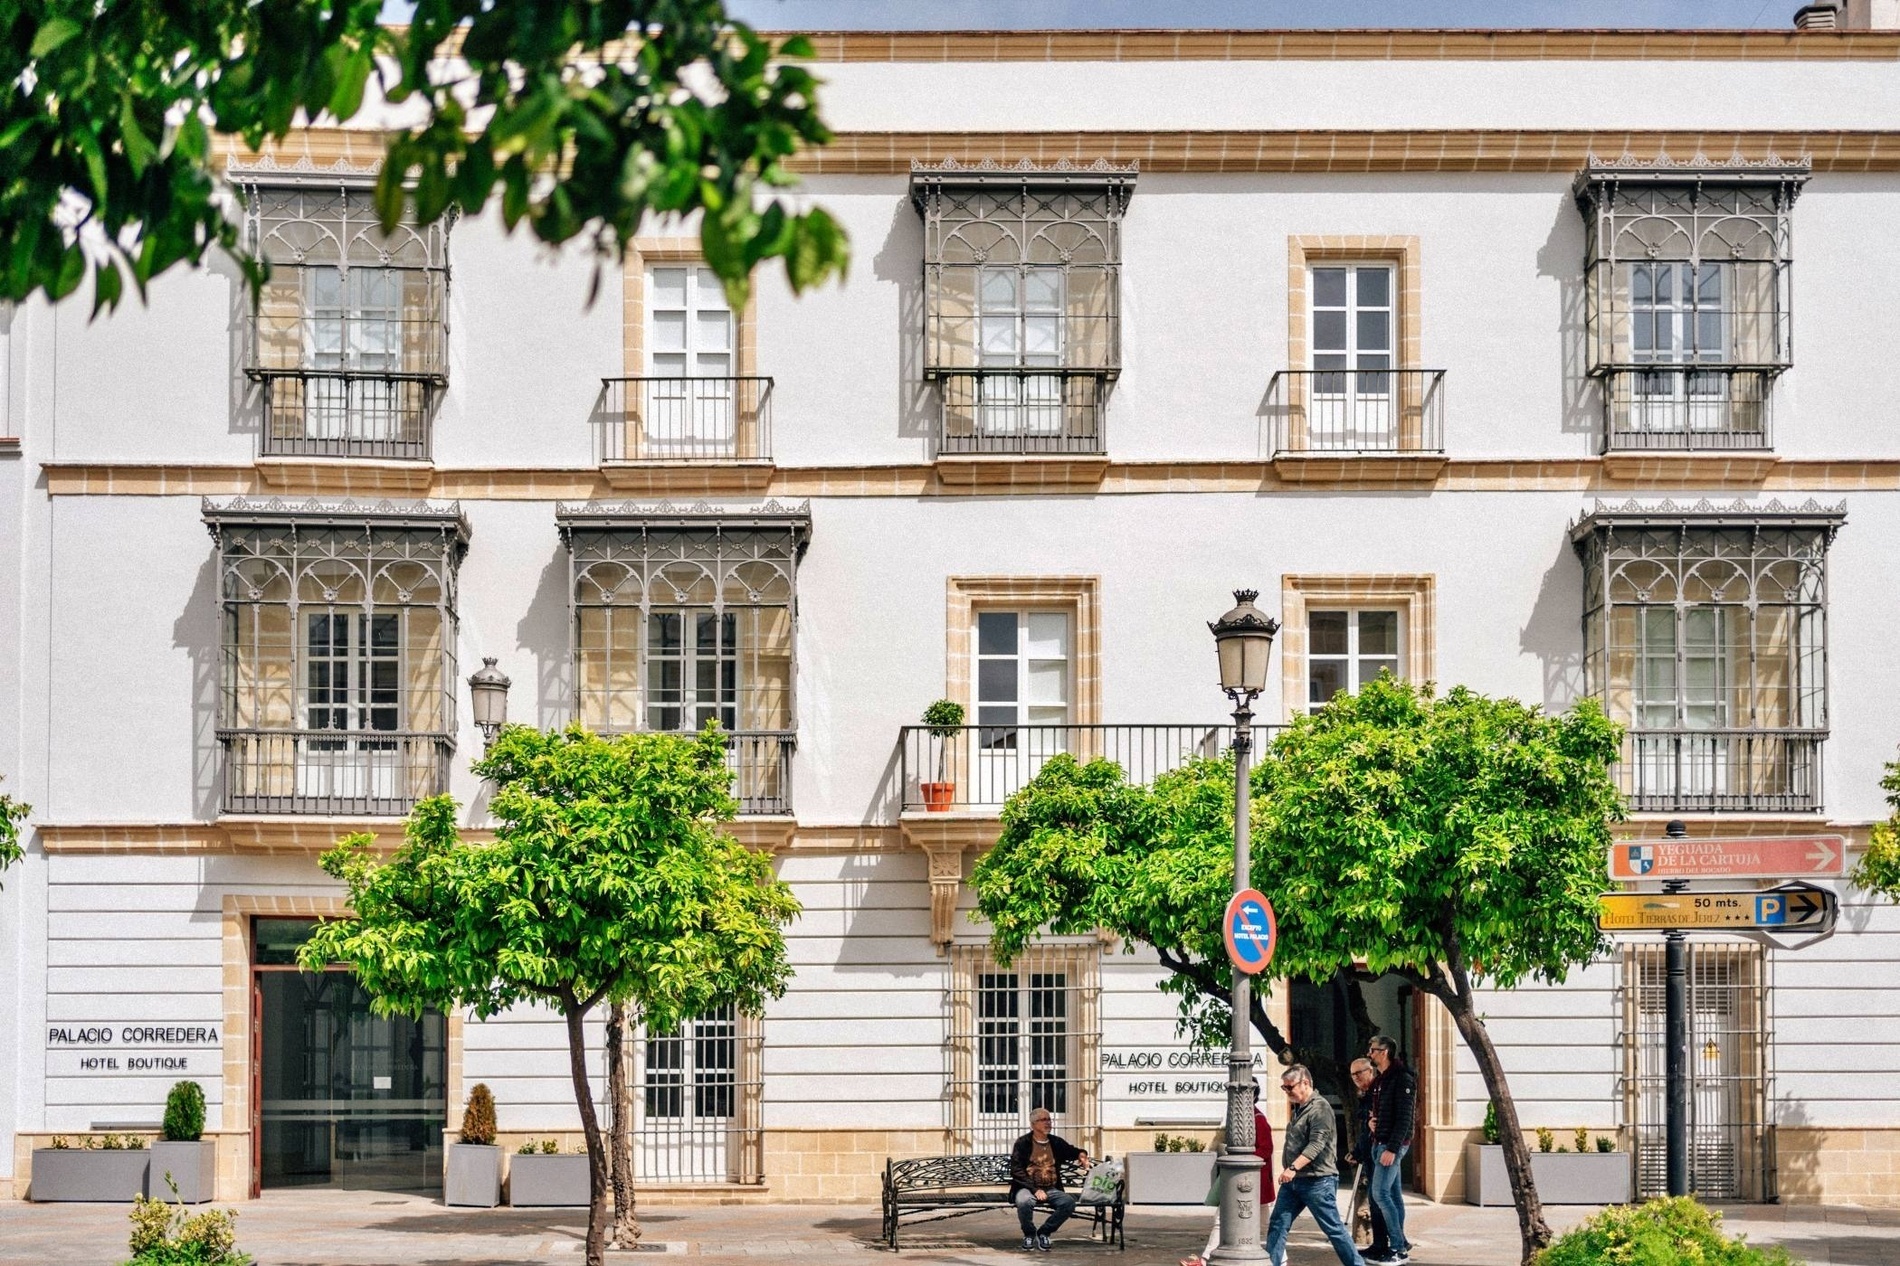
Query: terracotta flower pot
(938, 796)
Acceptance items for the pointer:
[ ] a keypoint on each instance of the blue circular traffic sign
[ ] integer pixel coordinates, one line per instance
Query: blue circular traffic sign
(1249, 931)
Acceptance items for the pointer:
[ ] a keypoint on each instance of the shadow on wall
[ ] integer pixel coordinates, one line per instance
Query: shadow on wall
(1796, 1170)
(196, 631)
(1554, 632)
(543, 633)
(1561, 257)
(900, 262)
(247, 397)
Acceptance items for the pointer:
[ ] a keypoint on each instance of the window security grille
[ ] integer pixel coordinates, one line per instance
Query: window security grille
(1731, 1046)
(698, 1102)
(1705, 633)
(1687, 299)
(1021, 301)
(349, 336)
(1022, 1037)
(338, 673)
(681, 618)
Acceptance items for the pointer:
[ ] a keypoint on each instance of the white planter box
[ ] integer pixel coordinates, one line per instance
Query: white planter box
(78, 1174)
(193, 1166)
(472, 1175)
(544, 1182)
(1169, 1177)
(1561, 1177)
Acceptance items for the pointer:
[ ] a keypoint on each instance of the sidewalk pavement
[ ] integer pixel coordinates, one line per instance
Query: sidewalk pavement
(339, 1228)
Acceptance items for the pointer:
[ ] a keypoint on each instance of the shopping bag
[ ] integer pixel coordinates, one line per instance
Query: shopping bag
(1102, 1185)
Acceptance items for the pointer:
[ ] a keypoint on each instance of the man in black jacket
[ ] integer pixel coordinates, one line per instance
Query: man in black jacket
(1035, 1177)
(1395, 1103)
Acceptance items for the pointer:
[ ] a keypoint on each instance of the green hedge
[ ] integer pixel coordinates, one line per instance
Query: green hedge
(1674, 1232)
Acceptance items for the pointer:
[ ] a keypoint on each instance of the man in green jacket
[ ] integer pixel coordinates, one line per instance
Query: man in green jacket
(1309, 1174)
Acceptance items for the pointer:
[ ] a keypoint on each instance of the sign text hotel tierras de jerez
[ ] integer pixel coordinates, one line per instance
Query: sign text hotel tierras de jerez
(1794, 909)
(135, 1048)
(1776, 857)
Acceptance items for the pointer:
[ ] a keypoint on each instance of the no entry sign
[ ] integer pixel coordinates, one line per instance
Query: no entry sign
(1250, 932)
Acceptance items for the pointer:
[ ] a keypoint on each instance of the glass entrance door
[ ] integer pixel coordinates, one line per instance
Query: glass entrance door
(346, 1098)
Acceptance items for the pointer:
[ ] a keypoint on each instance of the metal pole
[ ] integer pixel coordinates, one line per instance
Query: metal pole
(1676, 1043)
(1237, 1165)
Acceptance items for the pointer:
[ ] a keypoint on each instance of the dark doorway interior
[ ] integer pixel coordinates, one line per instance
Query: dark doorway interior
(1331, 1023)
(346, 1098)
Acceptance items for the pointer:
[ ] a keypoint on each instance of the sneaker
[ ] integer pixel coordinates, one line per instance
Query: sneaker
(1042, 1243)
(1029, 1243)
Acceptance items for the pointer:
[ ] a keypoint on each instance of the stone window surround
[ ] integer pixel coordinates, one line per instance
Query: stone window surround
(647, 251)
(1080, 596)
(1302, 251)
(1414, 595)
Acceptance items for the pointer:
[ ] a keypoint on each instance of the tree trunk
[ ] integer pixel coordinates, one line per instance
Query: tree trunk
(620, 1099)
(1454, 991)
(576, 1016)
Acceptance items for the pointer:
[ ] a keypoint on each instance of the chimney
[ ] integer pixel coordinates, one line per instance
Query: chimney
(1825, 15)
(1848, 15)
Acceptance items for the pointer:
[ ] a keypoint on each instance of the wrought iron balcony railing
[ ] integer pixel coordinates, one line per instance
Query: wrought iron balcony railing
(1727, 770)
(761, 764)
(1673, 408)
(347, 413)
(684, 419)
(370, 773)
(978, 767)
(1357, 411)
(1021, 410)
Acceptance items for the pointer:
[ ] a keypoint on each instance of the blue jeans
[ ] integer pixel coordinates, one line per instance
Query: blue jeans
(1061, 1205)
(1387, 1198)
(1320, 1197)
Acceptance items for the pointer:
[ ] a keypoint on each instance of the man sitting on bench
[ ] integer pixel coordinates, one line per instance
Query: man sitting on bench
(1035, 1177)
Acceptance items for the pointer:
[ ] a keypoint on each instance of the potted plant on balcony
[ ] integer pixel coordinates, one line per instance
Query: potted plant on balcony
(945, 718)
(473, 1175)
(181, 1150)
(100, 1168)
(542, 1177)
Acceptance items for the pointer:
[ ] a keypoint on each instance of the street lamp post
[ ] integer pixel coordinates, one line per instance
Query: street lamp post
(1244, 637)
(488, 693)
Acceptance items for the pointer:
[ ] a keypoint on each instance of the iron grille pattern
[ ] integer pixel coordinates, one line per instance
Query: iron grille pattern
(1705, 635)
(1021, 410)
(338, 656)
(349, 335)
(1357, 411)
(697, 1102)
(982, 766)
(684, 617)
(1731, 1047)
(1688, 298)
(1024, 1036)
(682, 419)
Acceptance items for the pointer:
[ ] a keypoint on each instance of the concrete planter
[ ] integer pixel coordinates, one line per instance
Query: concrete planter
(193, 1166)
(473, 1175)
(543, 1182)
(1169, 1177)
(1561, 1177)
(100, 1176)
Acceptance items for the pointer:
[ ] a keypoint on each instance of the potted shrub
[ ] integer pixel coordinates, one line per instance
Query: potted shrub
(541, 1177)
(1596, 1173)
(1178, 1171)
(945, 718)
(182, 1151)
(473, 1176)
(102, 1168)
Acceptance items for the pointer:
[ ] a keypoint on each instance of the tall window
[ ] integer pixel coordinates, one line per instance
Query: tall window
(1024, 1036)
(685, 618)
(1706, 636)
(1021, 303)
(1022, 672)
(690, 406)
(1687, 300)
(1352, 403)
(349, 336)
(339, 655)
(698, 1101)
(1347, 649)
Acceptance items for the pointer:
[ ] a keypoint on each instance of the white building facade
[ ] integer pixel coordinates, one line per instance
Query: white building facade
(1475, 353)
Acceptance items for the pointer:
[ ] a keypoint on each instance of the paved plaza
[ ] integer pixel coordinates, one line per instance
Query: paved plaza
(328, 1228)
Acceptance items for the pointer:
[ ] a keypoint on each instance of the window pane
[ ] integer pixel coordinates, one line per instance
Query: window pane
(712, 332)
(1326, 632)
(1048, 635)
(996, 680)
(1329, 331)
(709, 293)
(1375, 287)
(1042, 290)
(669, 287)
(996, 633)
(1329, 287)
(1375, 331)
(1378, 633)
(1048, 681)
(999, 290)
(1324, 679)
(669, 331)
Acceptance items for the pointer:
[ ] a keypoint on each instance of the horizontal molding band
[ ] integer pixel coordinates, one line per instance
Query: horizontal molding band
(1660, 472)
(1365, 45)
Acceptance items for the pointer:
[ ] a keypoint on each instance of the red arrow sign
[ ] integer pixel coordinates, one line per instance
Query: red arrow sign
(1767, 857)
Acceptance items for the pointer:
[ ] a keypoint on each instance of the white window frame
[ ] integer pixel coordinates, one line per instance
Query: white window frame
(1355, 659)
(1678, 398)
(695, 704)
(1357, 406)
(1030, 404)
(691, 404)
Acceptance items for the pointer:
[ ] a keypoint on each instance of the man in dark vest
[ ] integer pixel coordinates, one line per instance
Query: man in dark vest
(1395, 1105)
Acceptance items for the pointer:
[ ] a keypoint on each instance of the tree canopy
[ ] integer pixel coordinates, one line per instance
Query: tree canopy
(584, 115)
(1879, 867)
(1457, 840)
(12, 813)
(608, 880)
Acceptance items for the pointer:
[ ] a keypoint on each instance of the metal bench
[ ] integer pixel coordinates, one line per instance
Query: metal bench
(955, 1186)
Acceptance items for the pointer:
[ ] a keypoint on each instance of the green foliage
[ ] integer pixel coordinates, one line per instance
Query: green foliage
(478, 1118)
(943, 717)
(1583, 1139)
(550, 1146)
(1604, 1144)
(12, 812)
(577, 114)
(1672, 1232)
(1491, 1121)
(528, 1148)
(184, 1113)
(1879, 867)
(1545, 1139)
(170, 1235)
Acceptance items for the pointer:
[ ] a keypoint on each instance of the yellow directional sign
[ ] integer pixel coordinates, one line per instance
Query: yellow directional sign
(1787, 909)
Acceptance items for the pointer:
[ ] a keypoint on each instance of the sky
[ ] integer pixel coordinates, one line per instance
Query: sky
(994, 15)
